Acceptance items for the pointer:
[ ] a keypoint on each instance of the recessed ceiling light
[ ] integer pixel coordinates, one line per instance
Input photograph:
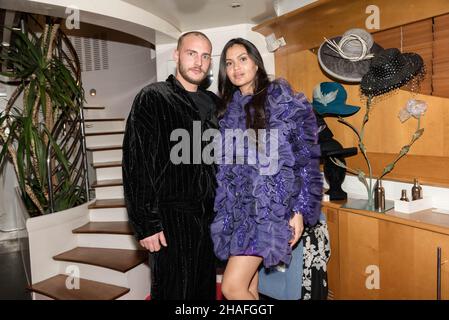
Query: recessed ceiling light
(235, 5)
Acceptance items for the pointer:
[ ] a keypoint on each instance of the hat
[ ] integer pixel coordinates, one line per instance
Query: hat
(348, 57)
(329, 98)
(390, 70)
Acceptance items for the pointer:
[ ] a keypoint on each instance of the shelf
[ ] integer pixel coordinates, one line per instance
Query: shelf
(305, 27)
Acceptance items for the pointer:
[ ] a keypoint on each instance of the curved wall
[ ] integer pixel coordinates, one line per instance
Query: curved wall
(117, 15)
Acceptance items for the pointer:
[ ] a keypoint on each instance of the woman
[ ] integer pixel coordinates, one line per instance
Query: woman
(261, 216)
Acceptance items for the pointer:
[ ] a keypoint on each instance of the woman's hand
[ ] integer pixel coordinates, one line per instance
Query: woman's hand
(297, 224)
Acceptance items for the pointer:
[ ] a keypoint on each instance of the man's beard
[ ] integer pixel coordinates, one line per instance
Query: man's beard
(184, 74)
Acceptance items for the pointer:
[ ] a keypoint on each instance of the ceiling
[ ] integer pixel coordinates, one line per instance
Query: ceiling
(189, 15)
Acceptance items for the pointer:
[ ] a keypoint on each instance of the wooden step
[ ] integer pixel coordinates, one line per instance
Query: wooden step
(107, 183)
(94, 108)
(104, 119)
(116, 227)
(115, 259)
(104, 133)
(110, 164)
(107, 203)
(104, 148)
(55, 288)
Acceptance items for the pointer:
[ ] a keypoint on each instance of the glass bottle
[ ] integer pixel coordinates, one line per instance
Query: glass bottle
(416, 190)
(379, 197)
(404, 195)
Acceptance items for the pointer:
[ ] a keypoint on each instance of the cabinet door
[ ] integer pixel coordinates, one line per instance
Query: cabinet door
(408, 259)
(359, 256)
(333, 267)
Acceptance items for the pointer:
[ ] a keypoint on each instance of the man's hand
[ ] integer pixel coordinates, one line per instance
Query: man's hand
(297, 224)
(154, 242)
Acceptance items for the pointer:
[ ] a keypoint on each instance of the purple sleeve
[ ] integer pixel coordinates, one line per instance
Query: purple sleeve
(307, 162)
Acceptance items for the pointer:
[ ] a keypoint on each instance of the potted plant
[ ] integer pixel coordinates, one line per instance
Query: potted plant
(43, 138)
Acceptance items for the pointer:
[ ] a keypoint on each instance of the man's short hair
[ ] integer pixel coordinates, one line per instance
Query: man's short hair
(194, 33)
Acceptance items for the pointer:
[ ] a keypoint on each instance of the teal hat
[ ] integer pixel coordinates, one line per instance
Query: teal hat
(329, 98)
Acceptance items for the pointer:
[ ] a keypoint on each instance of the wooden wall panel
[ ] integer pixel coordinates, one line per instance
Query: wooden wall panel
(385, 134)
(441, 56)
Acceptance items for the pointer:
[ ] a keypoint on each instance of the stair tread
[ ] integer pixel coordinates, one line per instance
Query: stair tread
(107, 183)
(115, 227)
(104, 133)
(104, 148)
(116, 259)
(55, 288)
(108, 164)
(107, 203)
(103, 119)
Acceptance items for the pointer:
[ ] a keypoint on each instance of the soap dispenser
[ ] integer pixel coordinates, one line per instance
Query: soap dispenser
(416, 190)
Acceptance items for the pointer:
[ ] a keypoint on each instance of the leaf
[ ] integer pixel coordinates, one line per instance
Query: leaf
(388, 168)
(59, 155)
(404, 150)
(3, 152)
(362, 178)
(339, 163)
(40, 156)
(361, 175)
(418, 134)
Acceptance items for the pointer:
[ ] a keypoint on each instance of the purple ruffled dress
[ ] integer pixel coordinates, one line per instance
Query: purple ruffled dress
(253, 210)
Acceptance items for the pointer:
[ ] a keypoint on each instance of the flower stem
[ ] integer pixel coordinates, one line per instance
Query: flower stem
(404, 149)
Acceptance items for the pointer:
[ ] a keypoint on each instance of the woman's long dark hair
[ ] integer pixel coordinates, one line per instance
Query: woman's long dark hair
(261, 82)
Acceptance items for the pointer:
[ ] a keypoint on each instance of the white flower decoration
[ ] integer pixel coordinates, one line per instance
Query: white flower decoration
(413, 108)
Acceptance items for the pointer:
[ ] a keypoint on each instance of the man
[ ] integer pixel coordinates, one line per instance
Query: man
(170, 206)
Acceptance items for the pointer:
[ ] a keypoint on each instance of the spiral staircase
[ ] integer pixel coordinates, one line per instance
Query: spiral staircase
(110, 263)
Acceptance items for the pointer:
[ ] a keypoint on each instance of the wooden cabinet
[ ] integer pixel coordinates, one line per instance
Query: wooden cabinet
(333, 266)
(387, 256)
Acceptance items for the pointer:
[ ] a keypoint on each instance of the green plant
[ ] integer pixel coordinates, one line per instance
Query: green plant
(46, 78)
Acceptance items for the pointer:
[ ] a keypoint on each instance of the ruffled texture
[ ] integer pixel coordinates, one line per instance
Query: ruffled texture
(253, 210)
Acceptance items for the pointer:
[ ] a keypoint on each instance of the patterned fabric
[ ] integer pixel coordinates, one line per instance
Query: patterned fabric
(317, 252)
(253, 210)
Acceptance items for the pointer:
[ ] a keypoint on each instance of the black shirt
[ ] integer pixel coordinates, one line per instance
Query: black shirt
(204, 104)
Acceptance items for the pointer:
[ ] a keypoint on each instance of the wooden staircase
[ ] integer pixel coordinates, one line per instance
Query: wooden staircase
(56, 288)
(111, 264)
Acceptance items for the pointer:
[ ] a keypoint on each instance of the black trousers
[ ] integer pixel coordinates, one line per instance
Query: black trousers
(185, 269)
